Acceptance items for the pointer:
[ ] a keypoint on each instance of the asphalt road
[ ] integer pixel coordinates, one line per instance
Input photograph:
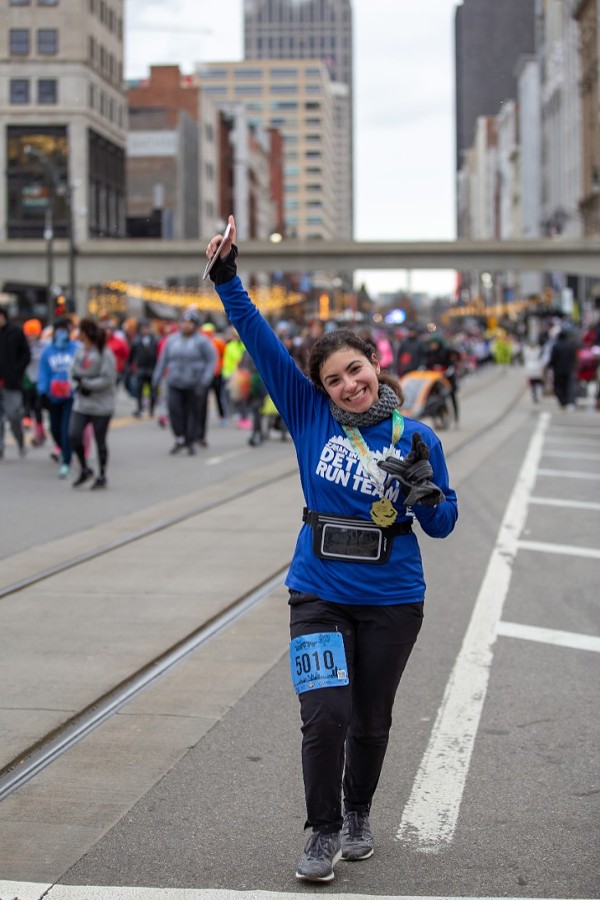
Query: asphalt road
(491, 783)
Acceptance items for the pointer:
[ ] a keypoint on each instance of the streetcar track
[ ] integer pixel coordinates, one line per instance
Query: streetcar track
(33, 759)
(170, 521)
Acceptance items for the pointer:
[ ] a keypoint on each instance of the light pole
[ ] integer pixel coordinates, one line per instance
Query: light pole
(52, 180)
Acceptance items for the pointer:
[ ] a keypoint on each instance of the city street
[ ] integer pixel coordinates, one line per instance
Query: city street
(191, 789)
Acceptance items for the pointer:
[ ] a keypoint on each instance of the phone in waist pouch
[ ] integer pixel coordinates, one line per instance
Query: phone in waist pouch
(352, 540)
(351, 543)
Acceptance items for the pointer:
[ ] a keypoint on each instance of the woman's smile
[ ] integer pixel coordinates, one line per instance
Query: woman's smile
(351, 380)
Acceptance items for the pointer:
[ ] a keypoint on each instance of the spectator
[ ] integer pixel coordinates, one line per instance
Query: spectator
(442, 358)
(14, 359)
(95, 374)
(142, 360)
(55, 387)
(34, 410)
(533, 359)
(411, 352)
(234, 350)
(563, 365)
(188, 363)
(117, 343)
(216, 385)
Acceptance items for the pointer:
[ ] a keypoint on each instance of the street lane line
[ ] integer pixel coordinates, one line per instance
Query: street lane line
(431, 814)
(558, 473)
(549, 636)
(561, 549)
(9, 890)
(566, 504)
(566, 454)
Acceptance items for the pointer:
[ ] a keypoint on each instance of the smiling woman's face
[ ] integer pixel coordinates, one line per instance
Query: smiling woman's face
(350, 379)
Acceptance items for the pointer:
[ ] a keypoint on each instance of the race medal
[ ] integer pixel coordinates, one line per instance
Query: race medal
(383, 512)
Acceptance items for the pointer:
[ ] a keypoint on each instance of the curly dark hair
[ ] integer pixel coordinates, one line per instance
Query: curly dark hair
(93, 332)
(342, 339)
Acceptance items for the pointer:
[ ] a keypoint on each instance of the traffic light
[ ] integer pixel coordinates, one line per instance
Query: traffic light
(60, 306)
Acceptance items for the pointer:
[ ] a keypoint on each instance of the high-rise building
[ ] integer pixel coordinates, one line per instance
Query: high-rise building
(295, 97)
(490, 36)
(314, 29)
(63, 117)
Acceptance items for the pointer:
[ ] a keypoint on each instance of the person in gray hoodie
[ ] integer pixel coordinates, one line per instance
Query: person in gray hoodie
(94, 373)
(187, 362)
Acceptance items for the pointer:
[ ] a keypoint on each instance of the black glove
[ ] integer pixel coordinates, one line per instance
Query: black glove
(225, 269)
(414, 474)
(81, 389)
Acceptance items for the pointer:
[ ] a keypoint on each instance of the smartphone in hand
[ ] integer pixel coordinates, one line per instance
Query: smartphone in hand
(214, 258)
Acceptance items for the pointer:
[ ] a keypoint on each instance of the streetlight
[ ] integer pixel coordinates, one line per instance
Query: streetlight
(54, 188)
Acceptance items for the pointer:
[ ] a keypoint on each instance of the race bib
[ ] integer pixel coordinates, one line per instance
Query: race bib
(318, 661)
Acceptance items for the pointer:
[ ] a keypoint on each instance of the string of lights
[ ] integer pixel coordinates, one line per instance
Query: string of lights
(113, 296)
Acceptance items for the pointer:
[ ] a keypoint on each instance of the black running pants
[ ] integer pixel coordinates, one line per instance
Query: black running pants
(345, 730)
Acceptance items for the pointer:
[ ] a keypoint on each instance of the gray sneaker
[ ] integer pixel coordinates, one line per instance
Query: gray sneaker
(321, 853)
(357, 837)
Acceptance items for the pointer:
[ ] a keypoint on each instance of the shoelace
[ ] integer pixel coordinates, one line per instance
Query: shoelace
(320, 845)
(354, 824)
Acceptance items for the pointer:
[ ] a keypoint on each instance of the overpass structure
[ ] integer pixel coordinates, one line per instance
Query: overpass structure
(154, 261)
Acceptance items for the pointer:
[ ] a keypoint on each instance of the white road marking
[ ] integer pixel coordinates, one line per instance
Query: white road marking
(561, 549)
(431, 814)
(558, 473)
(566, 504)
(217, 460)
(549, 636)
(567, 454)
(15, 890)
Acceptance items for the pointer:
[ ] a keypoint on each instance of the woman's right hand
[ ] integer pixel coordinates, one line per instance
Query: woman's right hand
(214, 242)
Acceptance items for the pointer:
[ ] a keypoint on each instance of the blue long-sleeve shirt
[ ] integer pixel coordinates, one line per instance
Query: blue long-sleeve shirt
(54, 371)
(332, 477)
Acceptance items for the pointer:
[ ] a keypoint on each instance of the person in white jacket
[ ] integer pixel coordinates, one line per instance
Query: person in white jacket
(535, 364)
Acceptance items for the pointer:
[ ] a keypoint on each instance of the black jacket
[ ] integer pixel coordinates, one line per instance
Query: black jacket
(563, 356)
(143, 354)
(14, 357)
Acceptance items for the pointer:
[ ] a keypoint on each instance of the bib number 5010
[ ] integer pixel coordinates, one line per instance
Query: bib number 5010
(318, 661)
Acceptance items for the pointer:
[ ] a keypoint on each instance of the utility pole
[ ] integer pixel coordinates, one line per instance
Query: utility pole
(52, 180)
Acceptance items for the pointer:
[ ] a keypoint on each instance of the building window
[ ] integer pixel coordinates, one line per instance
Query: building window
(47, 91)
(47, 2)
(19, 90)
(19, 41)
(284, 73)
(257, 74)
(20, 2)
(27, 180)
(47, 41)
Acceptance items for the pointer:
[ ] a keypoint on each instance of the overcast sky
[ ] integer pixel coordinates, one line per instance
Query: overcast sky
(404, 107)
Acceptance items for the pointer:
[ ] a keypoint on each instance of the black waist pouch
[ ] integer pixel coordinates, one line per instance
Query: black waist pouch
(352, 540)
